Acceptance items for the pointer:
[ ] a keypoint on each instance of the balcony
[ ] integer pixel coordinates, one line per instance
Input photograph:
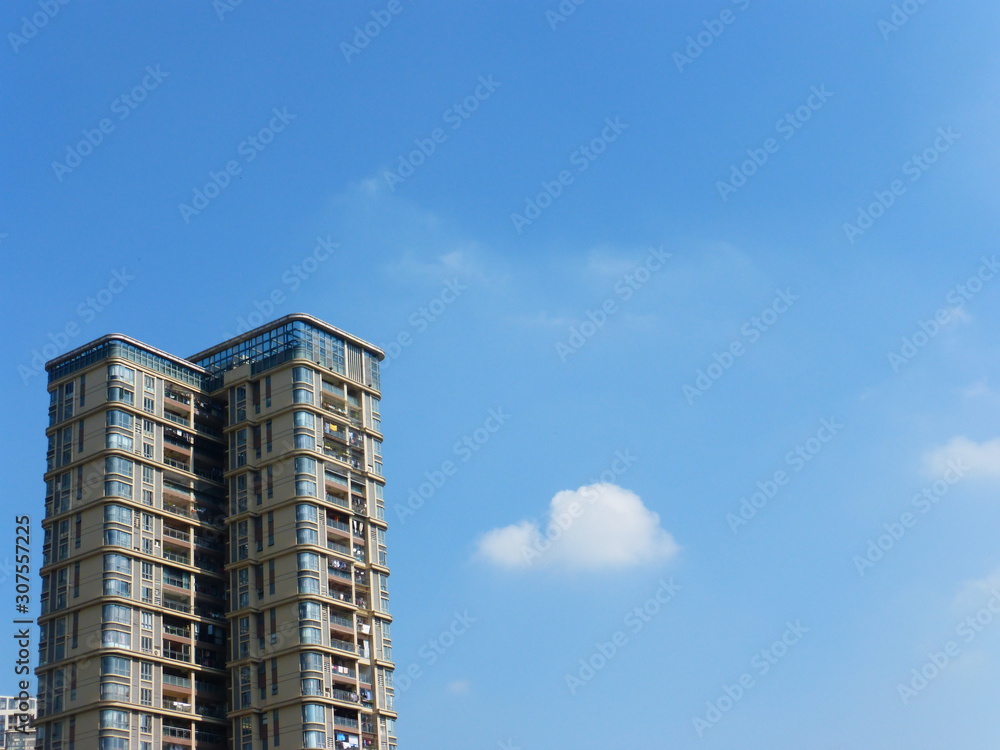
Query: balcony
(172, 679)
(177, 606)
(337, 500)
(345, 695)
(176, 557)
(176, 418)
(178, 397)
(175, 534)
(173, 705)
(345, 721)
(343, 645)
(183, 654)
(179, 631)
(182, 465)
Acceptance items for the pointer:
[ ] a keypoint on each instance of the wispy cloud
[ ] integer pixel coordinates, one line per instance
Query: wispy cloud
(977, 459)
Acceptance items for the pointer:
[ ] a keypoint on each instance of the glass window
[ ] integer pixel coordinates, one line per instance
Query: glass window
(313, 713)
(305, 488)
(309, 611)
(308, 561)
(115, 488)
(117, 613)
(302, 396)
(112, 718)
(118, 563)
(302, 375)
(305, 419)
(310, 739)
(116, 665)
(123, 395)
(306, 536)
(117, 514)
(305, 465)
(306, 512)
(120, 442)
(118, 418)
(308, 585)
(122, 373)
(116, 538)
(310, 635)
(118, 465)
(311, 661)
(312, 686)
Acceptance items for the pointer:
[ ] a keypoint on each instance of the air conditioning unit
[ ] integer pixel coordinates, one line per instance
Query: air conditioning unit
(156, 652)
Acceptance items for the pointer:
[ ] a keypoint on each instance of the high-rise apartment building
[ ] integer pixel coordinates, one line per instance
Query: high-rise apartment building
(214, 566)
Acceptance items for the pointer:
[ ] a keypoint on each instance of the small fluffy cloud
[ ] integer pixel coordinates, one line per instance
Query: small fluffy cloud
(967, 456)
(597, 526)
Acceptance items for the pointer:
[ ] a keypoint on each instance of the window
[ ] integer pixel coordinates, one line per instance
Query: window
(311, 661)
(114, 719)
(119, 442)
(306, 536)
(312, 739)
(123, 395)
(118, 465)
(305, 488)
(313, 713)
(302, 375)
(302, 396)
(121, 373)
(146, 670)
(308, 585)
(116, 639)
(146, 698)
(147, 620)
(308, 561)
(148, 383)
(147, 450)
(118, 613)
(148, 405)
(306, 512)
(305, 419)
(117, 418)
(117, 514)
(116, 665)
(310, 636)
(310, 611)
(312, 686)
(116, 538)
(115, 488)
(118, 564)
(116, 587)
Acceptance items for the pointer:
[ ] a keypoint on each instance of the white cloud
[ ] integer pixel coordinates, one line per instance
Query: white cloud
(597, 526)
(982, 459)
(459, 686)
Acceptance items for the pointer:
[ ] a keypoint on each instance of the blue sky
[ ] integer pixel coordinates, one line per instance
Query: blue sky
(687, 253)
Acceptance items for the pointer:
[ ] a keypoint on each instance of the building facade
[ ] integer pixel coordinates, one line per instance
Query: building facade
(17, 716)
(214, 565)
